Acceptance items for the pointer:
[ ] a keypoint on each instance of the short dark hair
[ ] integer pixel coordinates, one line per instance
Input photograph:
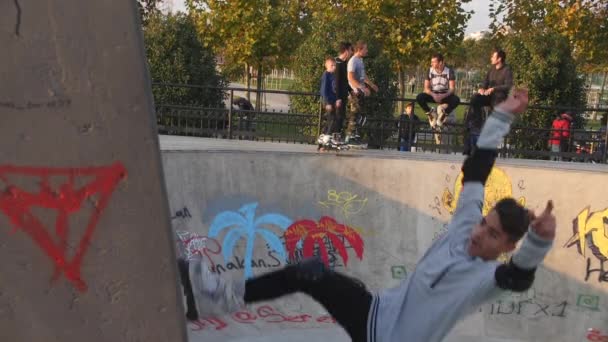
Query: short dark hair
(514, 218)
(500, 54)
(438, 56)
(360, 45)
(345, 46)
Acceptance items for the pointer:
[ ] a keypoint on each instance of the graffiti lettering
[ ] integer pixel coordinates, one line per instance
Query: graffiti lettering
(529, 307)
(184, 213)
(57, 103)
(239, 264)
(204, 323)
(602, 274)
(349, 203)
(263, 314)
(66, 199)
(591, 230)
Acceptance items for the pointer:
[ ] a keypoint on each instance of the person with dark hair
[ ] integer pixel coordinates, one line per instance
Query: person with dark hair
(495, 89)
(458, 273)
(560, 134)
(342, 87)
(360, 85)
(407, 128)
(439, 87)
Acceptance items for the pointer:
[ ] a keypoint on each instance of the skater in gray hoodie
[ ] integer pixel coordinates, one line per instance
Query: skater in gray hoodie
(456, 275)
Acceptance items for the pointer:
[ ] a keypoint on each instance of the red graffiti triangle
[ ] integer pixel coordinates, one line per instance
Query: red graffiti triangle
(67, 199)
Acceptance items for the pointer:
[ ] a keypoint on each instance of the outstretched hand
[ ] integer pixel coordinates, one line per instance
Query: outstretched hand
(516, 103)
(544, 225)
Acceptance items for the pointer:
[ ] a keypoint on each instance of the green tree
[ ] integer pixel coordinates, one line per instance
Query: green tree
(412, 31)
(147, 8)
(544, 64)
(583, 22)
(176, 55)
(250, 33)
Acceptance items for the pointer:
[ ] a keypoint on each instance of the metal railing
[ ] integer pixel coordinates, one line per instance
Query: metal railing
(381, 133)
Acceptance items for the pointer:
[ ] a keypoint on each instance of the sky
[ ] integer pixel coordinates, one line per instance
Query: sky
(479, 21)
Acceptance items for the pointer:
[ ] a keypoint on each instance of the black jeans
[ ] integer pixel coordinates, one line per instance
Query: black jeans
(345, 298)
(423, 99)
(340, 116)
(182, 267)
(478, 101)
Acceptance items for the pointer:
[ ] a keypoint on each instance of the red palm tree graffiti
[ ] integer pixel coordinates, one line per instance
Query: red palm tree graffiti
(311, 233)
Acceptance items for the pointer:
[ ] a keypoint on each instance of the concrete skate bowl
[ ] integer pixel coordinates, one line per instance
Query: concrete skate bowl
(396, 204)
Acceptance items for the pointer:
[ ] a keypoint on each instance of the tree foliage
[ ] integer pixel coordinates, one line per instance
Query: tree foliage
(176, 55)
(255, 32)
(544, 64)
(583, 22)
(147, 8)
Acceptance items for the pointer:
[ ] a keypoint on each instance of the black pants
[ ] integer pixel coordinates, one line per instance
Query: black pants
(423, 99)
(478, 101)
(182, 267)
(345, 298)
(340, 116)
(331, 120)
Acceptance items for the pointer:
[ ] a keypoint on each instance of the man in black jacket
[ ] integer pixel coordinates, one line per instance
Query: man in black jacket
(341, 80)
(495, 89)
(497, 84)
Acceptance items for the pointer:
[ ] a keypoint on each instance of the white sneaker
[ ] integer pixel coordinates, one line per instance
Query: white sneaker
(324, 139)
(441, 115)
(213, 294)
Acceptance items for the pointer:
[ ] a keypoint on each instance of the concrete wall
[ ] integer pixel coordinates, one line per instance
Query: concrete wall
(84, 228)
(397, 207)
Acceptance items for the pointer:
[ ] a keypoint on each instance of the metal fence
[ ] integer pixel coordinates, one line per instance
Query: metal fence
(228, 122)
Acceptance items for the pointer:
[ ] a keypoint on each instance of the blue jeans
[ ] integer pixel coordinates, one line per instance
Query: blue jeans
(404, 145)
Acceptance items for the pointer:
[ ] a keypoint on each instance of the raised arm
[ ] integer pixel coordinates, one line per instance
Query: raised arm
(478, 166)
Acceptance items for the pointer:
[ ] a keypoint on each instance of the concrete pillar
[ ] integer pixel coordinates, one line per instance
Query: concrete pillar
(85, 247)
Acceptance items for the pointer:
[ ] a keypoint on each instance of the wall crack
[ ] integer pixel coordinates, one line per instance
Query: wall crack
(18, 23)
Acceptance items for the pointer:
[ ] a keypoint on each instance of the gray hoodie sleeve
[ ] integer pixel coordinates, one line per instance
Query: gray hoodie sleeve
(476, 170)
(532, 251)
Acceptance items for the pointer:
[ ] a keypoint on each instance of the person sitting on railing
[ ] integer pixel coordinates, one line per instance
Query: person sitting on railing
(496, 86)
(560, 134)
(439, 87)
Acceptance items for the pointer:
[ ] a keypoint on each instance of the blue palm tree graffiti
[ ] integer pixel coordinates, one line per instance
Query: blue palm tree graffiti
(243, 224)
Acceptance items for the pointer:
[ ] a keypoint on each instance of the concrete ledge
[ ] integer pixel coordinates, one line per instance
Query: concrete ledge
(170, 143)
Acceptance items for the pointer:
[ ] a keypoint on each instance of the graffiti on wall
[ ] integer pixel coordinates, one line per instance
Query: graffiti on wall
(243, 224)
(590, 232)
(498, 186)
(66, 199)
(309, 234)
(531, 308)
(263, 314)
(348, 203)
